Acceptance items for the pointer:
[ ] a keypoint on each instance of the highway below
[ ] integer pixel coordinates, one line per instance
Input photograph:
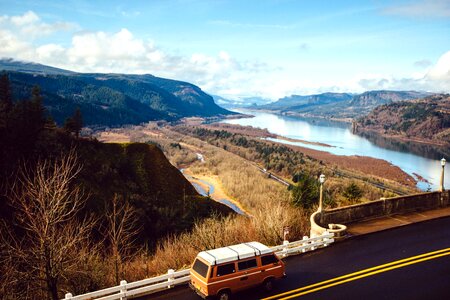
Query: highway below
(409, 262)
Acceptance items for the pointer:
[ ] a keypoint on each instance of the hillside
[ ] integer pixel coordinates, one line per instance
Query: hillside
(165, 202)
(136, 172)
(426, 120)
(296, 102)
(110, 99)
(341, 106)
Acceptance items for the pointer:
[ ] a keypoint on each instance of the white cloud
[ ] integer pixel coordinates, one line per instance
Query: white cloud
(436, 79)
(30, 26)
(441, 70)
(27, 18)
(50, 51)
(122, 52)
(424, 8)
(423, 63)
(222, 74)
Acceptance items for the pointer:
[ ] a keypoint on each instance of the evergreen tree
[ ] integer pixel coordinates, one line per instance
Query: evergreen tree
(353, 192)
(5, 103)
(306, 192)
(75, 123)
(5, 94)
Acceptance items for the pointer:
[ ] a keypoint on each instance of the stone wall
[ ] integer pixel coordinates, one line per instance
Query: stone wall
(384, 207)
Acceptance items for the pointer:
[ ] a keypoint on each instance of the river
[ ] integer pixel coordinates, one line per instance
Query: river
(410, 157)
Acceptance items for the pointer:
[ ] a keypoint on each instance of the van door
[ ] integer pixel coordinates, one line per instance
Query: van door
(226, 277)
(249, 273)
(272, 266)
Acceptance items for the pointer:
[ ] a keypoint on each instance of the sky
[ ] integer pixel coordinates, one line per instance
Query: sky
(237, 49)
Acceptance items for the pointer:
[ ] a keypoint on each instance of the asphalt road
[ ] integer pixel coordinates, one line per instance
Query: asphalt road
(424, 277)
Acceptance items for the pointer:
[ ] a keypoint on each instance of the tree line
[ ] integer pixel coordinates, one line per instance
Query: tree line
(78, 215)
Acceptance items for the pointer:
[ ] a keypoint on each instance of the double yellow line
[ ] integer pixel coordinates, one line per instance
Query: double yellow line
(360, 274)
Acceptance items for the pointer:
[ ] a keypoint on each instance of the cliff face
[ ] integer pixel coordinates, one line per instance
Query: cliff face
(426, 120)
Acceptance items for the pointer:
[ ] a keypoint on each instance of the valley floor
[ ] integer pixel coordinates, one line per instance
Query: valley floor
(367, 170)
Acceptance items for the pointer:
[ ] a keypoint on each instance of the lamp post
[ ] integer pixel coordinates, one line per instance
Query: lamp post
(441, 188)
(321, 180)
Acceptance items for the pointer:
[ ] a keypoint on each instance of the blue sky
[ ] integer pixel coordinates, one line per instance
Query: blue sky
(236, 49)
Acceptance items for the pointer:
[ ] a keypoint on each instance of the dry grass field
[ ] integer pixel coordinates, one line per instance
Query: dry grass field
(234, 174)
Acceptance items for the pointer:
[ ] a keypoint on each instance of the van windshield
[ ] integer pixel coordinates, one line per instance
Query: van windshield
(200, 267)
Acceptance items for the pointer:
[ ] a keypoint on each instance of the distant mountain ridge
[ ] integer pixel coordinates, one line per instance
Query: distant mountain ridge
(375, 98)
(298, 101)
(10, 64)
(241, 102)
(342, 106)
(425, 120)
(110, 99)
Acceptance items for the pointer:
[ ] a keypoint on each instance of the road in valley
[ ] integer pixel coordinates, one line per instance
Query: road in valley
(409, 262)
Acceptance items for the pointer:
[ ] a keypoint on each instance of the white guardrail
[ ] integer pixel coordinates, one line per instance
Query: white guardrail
(147, 286)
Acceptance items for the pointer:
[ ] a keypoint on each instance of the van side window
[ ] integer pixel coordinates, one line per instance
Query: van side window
(247, 264)
(268, 259)
(225, 269)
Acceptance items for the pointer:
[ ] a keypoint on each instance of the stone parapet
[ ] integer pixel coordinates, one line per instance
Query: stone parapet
(383, 207)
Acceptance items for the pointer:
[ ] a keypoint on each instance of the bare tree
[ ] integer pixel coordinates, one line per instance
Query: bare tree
(45, 246)
(121, 231)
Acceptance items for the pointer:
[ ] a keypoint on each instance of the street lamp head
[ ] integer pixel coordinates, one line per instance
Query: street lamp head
(322, 178)
(443, 162)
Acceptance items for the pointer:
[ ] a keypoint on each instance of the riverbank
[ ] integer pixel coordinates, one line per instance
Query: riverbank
(410, 157)
(403, 138)
(280, 137)
(363, 164)
(294, 114)
(257, 132)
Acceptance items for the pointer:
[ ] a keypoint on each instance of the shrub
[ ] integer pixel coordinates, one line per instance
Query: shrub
(353, 192)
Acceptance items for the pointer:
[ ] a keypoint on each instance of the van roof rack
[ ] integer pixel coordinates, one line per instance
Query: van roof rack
(235, 252)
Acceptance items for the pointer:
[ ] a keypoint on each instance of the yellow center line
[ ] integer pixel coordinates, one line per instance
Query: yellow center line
(363, 273)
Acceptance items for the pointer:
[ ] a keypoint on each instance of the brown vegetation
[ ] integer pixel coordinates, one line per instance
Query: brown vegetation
(239, 129)
(234, 170)
(120, 230)
(53, 241)
(426, 120)
(361, 164)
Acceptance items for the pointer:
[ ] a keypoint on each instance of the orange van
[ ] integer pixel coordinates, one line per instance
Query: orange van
(223, 271)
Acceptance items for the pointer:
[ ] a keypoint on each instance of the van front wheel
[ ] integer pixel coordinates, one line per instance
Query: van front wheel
(224, 295)
(268, 284)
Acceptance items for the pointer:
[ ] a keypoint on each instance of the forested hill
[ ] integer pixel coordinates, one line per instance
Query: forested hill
(163, 199)
(425, 120)
(109, 99)
(298, 101)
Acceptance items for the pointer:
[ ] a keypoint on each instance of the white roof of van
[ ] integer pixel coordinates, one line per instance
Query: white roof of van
(235, 252)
